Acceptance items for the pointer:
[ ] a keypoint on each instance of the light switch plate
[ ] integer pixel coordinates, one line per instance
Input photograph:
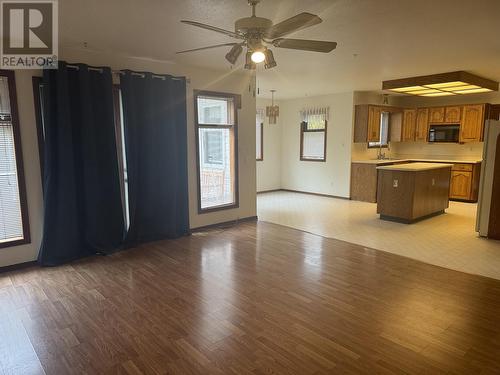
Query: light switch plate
(395, 183)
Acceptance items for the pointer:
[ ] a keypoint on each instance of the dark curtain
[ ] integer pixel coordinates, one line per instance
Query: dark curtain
(154, 111)
(83, 211)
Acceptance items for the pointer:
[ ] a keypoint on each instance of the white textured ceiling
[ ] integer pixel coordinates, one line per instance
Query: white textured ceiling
(377, 39)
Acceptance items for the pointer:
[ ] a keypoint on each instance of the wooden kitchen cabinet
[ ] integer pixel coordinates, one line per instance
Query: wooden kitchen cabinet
(422, 124)
(453, 115)
(460, 185)
(464, 183)
(374, 114)
(472, 126)
(436, 115)
(367, 119)
(409, 125)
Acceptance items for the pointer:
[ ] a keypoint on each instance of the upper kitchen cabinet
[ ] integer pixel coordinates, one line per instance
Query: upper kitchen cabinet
(422, 124)
(367, 122)
(374, 114)
(472, 125)
(436, 115)
(453, 115)
(409, 125)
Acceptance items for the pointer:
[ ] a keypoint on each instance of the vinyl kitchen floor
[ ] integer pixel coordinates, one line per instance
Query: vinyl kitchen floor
(447, 240)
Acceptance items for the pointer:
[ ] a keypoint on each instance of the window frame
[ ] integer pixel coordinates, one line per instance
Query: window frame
(37, 84)
(237, 105)
(261, 124)
(303, 129)
(21, 182)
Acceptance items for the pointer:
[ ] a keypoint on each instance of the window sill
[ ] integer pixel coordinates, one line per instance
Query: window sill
(14, 242)
(217, 208)
(307, 159)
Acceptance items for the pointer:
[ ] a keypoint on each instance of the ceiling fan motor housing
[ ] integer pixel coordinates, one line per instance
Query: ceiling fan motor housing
(253, 25)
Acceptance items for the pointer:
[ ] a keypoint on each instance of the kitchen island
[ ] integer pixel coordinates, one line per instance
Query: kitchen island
(410, 192)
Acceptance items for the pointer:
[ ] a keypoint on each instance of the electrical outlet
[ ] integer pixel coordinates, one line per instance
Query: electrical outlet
(433, 182)
(395, 183)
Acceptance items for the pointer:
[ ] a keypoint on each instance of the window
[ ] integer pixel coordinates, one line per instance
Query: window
(313, 137)
(259, 135)
(213, 151)
(14, 227)
(40, 128)
(384, 131)
(120, 149)
(217, 160)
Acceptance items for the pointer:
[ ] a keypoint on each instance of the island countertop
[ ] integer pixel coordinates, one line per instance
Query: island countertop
(414, 167)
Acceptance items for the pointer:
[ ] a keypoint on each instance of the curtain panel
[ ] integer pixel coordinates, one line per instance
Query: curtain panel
(155, 128)
(83, 211)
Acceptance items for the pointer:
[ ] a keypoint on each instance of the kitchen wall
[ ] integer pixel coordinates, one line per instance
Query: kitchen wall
(269, 169)
(333, 176)
(230, 81)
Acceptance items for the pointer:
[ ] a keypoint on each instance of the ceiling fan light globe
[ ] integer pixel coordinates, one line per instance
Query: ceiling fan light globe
(258, 57)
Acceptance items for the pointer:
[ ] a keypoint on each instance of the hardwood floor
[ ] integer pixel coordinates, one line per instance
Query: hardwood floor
(256, 298)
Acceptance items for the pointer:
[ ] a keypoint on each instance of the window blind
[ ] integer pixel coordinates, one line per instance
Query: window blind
(11, 224)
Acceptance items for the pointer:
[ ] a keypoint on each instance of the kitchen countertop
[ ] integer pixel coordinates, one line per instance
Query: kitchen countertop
(415, 167)
(390, 161)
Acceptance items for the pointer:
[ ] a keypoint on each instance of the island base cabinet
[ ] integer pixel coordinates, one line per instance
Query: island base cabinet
(409, 196)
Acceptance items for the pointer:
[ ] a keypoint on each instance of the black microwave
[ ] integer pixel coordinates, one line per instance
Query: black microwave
(444, 133)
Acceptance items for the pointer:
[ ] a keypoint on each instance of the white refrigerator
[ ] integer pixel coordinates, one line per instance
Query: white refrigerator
(491, 134)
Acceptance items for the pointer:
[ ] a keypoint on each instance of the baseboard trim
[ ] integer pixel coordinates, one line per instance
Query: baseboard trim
(269, 191)
(224, 224)
(18, 266)
(317, 194)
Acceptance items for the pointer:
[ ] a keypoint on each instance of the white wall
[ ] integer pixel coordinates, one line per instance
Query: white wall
(269, 169)
(333, 176)
(231, 82)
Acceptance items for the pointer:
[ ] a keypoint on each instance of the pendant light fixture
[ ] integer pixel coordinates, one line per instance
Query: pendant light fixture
(272, 111)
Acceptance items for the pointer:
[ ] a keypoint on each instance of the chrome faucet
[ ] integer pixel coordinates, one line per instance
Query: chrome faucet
(380, 154)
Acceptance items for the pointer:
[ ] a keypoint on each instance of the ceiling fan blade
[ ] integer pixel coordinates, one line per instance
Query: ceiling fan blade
(295, 23)
(305, 45)
(213, 28)
(209, 47)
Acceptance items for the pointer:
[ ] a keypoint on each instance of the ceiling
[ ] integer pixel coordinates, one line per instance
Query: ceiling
(377, 40)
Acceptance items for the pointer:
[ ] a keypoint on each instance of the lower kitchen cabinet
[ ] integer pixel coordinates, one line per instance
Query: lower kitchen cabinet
(464, 184)
(461, 185)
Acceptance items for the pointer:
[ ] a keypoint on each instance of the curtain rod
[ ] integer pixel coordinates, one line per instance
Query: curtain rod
(119, 72)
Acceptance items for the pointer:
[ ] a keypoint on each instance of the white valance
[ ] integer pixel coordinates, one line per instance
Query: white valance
(319, 113)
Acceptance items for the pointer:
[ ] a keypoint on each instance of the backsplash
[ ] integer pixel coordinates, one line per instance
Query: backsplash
(469, 151)
(409, 150)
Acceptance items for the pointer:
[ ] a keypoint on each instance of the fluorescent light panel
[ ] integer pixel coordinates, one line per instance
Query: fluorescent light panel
(444, 84)
(442, 93)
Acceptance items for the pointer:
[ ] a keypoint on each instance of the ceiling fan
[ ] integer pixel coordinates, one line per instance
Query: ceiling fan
(257, 33)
